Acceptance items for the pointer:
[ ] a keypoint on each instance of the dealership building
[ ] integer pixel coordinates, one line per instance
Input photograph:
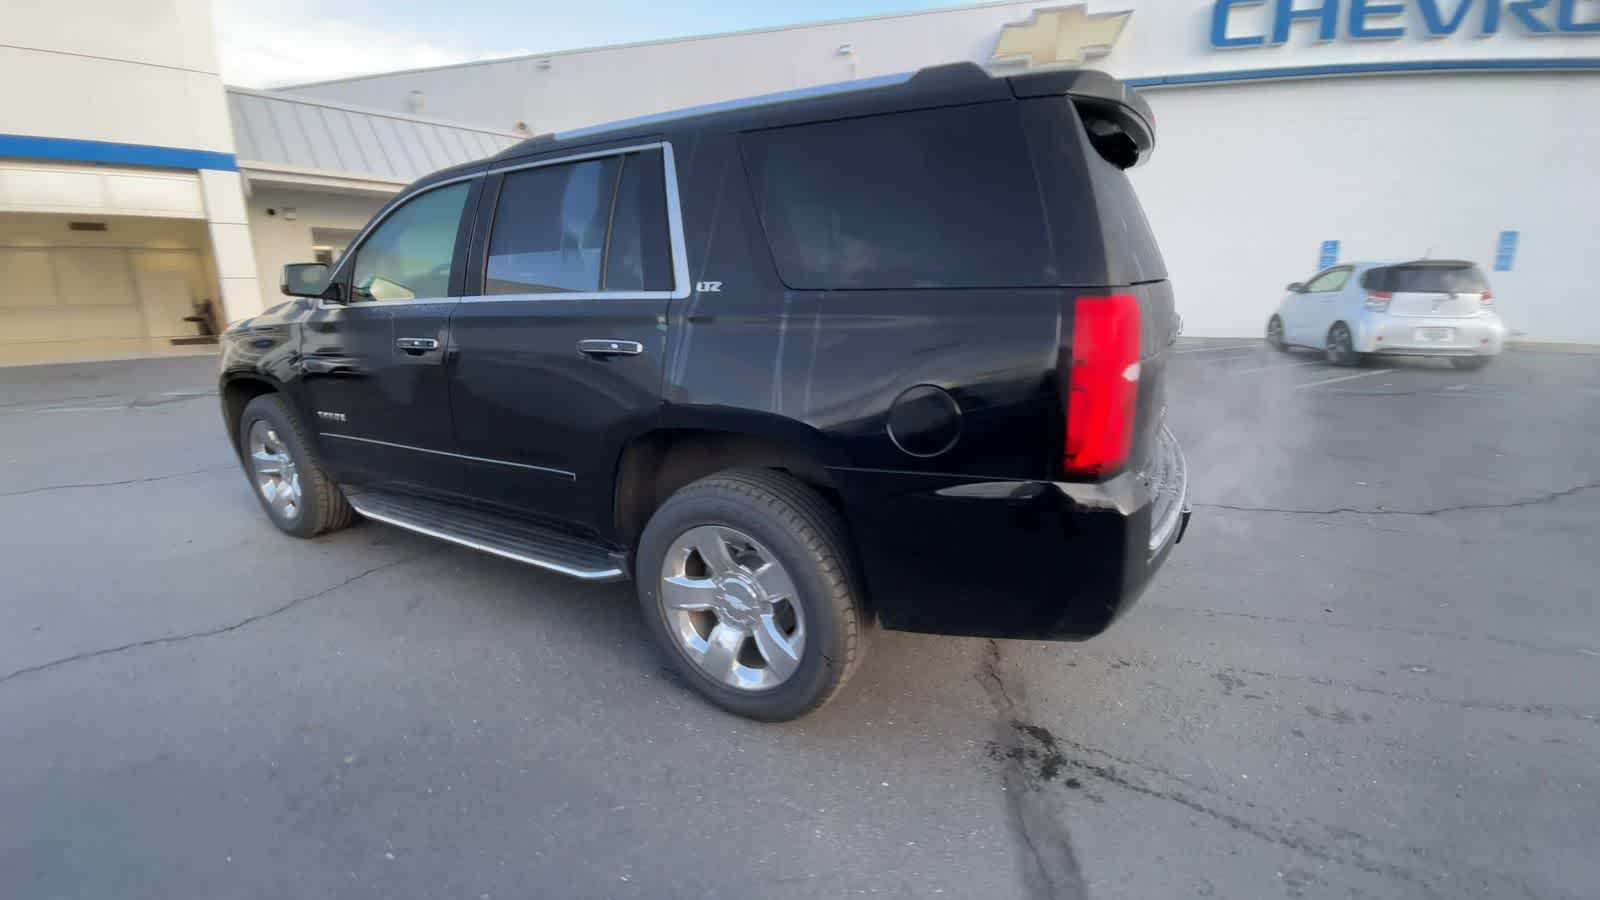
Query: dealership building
(143, 203)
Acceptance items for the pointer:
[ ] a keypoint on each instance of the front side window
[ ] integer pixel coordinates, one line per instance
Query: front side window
(594, 225)
(408, 256)
(1329, 281)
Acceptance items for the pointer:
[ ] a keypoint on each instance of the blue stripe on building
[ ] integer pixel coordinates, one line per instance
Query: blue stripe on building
(72, 150)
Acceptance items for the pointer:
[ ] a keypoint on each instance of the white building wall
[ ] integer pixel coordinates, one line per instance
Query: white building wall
(111, 70)
(49, 187)
(1247, 181)
(139, 79)
(285, 236)
(1248, 178)
(1161, 38)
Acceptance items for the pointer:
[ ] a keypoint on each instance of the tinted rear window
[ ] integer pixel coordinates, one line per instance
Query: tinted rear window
(940, 198)
(1435, 278)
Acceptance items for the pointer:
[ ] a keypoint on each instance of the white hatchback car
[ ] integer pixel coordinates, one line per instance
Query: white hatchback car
(1429, 307)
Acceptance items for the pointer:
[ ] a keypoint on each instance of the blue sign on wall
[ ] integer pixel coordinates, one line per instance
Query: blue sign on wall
(1330, 254)
(1381, 19)
(1505, 251)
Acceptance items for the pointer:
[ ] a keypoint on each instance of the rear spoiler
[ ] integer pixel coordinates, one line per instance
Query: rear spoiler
(1120, 123)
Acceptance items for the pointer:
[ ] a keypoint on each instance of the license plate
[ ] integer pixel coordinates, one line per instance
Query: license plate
(1436, 335)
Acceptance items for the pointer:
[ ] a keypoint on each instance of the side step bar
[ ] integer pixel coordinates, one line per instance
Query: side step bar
(491, 533)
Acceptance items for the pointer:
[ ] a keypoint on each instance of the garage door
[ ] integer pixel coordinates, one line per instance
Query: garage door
(67, 294)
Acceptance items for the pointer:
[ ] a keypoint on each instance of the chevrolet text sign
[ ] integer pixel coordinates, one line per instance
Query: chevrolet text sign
(1376, 19)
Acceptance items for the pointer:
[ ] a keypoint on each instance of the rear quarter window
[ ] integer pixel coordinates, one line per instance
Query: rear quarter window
(941, 198)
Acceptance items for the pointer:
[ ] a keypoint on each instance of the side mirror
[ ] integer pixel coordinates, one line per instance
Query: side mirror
(305, 279)
(1296, 287)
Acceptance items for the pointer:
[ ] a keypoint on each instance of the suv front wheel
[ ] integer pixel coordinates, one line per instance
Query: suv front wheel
(294, 491)
(746, 580)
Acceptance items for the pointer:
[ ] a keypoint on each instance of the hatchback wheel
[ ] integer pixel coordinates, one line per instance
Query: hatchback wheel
(1341, 349)
(746, 580)
(1275, 334)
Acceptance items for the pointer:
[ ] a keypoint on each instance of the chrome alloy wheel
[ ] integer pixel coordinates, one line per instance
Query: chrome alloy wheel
(732, 608)
(274, 470)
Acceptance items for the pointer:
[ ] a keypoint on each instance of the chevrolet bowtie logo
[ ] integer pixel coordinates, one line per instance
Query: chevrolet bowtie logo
(1061, 35)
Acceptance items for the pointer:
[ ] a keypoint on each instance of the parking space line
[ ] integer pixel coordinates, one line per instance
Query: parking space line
(1214, 349)
(1235, 356)
(1309, 362)
(1312, 384)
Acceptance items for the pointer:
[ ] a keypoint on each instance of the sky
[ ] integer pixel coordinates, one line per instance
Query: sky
(266, 43)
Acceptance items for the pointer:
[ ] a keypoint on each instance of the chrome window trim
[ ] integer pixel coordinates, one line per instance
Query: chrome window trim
(570, 476)
(367, 304)
(543, 296)
(679, 249)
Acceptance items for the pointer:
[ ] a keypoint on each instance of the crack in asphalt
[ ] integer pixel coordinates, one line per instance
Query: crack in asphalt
(1050, 866)
(1464, 507)
(1553, 649)
(1540, 710)
(78, 485)
(1284, 837)
(209, 632)
(1051, 757)
(1280, 836)
(105, 402)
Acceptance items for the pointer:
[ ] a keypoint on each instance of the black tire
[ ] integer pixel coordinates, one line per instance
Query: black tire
(807, 536)
(322, 507)
(1275, 334)
(1340, 347)
(1470, 362)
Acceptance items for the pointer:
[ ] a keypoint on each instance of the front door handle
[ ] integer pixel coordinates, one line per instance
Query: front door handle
(416, 345)
(603, 347)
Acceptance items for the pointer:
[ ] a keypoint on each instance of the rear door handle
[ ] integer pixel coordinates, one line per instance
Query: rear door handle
(416, 345)
(602, 347)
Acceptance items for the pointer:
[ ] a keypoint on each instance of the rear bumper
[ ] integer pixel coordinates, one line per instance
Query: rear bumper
(1013, 559)
(1403, 335)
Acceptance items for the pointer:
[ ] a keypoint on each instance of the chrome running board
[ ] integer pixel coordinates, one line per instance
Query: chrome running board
(501, 535)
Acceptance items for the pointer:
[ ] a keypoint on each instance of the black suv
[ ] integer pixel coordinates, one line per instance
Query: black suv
(892, 351)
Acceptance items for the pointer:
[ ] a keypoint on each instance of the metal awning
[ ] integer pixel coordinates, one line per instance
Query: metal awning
(285, 139)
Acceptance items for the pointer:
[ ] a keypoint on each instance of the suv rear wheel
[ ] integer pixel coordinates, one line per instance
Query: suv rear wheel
(296, 494)
(746, 580)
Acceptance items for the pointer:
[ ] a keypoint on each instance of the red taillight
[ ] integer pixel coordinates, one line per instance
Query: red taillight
(1378, 300)
(1102, 384)
(1486, 300)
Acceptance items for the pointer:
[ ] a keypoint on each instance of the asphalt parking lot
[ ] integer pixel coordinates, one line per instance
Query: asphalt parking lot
(1369, 671)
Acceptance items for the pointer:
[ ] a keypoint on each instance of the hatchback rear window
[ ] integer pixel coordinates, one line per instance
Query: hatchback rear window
(1427, 278)
(939, 198)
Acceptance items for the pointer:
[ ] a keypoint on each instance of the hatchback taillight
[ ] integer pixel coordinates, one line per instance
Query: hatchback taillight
(1378, 300)
(1486, 301)
(1102, 384)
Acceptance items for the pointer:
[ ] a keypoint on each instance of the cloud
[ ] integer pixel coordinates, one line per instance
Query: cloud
(288, 42)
